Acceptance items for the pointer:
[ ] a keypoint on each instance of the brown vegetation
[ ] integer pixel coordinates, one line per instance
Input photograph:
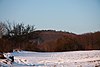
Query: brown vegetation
(26, 38)
(51, 41)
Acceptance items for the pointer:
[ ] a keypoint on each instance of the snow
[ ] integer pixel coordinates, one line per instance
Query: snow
(54, 59)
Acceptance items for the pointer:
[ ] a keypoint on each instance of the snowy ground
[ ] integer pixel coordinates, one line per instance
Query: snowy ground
(53, 59)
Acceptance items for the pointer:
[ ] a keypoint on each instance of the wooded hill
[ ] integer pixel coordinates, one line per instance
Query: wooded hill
(50, 41)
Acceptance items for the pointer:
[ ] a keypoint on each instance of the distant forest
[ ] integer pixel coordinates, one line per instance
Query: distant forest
(26, 37)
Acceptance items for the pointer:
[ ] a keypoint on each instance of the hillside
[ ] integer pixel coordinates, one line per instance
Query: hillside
(51, 41)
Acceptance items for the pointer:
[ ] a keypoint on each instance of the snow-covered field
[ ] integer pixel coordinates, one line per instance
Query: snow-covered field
(53, 59)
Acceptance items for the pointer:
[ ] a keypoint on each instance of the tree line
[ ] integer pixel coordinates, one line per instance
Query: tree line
(10, 34)
(26, 37)
(9, 29)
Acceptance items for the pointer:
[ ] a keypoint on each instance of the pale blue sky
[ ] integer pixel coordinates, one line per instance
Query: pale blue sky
(77, 16)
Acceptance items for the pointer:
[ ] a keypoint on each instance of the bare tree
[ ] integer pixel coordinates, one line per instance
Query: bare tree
(15, 29)
(8, 27)
(2, 29)
(20, 29)
(28, 28)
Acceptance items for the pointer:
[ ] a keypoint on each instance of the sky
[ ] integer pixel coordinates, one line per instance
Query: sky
(77, 16)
